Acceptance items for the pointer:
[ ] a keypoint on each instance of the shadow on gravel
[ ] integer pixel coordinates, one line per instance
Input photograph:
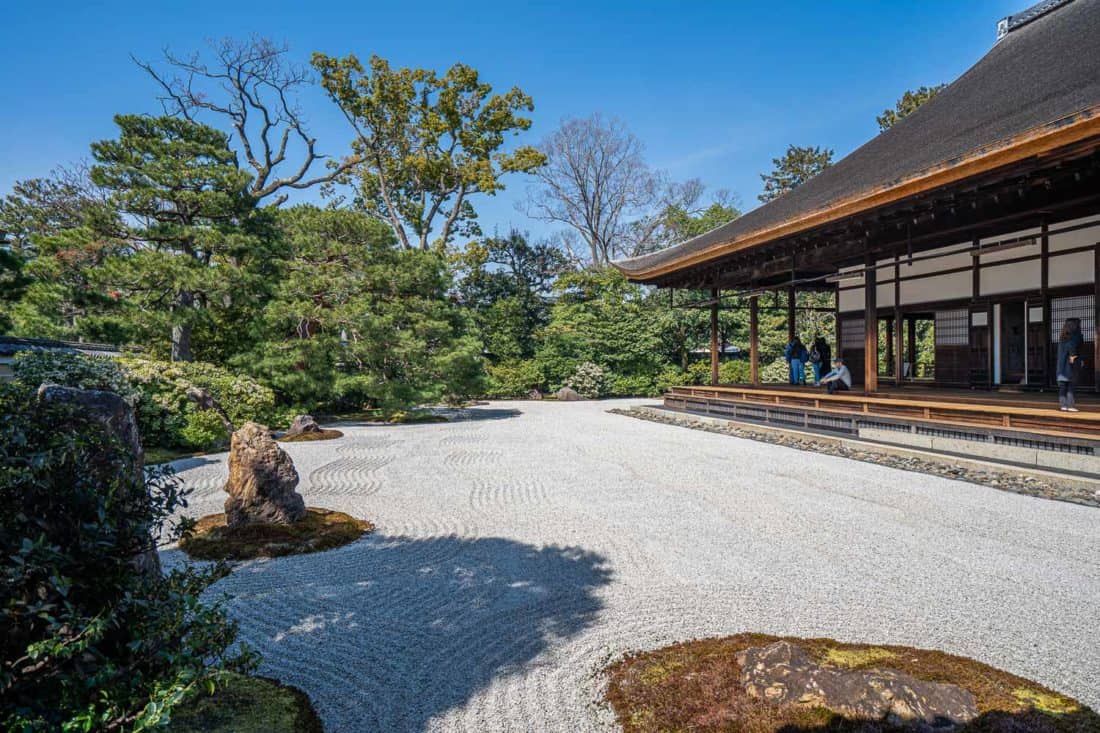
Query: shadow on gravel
(390, 632)
(485, 413)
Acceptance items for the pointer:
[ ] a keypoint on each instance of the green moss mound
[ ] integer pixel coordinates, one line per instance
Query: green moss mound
(318, 530)
(247, 705)
(696, 686)
(323, 434)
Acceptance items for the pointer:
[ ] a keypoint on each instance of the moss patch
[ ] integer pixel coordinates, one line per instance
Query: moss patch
(319, 529)
(154, 455)
(696, 686)
(323, 434)
(247, 705)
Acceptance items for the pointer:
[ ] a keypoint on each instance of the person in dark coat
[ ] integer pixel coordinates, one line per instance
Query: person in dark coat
(820, 357)
(796, 356)
(1069, 363)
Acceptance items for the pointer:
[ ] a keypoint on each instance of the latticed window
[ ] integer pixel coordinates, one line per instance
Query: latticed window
(953, 327)
(851, 333)
(1074, 306)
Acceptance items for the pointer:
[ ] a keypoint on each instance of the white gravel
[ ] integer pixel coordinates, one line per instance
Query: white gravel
(517, 553)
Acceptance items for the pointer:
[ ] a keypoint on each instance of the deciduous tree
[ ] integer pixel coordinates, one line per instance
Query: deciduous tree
(426, 143)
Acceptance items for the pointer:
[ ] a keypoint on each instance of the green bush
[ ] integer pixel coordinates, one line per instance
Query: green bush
(34, 368)
(588, 380)
(514, 378)
(735, 371)
(632, 386)
(169, 418)
(88, 643)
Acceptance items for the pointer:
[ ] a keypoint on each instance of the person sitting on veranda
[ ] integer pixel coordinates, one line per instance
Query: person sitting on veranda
(839, 379)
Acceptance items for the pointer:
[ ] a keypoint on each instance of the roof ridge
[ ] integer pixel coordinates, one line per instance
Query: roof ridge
(1010, 23)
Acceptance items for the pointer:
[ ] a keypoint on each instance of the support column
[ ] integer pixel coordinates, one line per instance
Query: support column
(899, 332)
(754, 342)
(714, 337)
(790, 314)
(1096, 319)
(870, 328)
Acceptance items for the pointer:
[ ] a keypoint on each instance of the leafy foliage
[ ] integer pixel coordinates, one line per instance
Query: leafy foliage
(426, 142)
(588, 380)
(906, 105)
(798, 165)
(89, 643)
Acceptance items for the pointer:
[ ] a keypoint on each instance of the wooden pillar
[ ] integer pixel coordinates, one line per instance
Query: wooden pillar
(1096, 318)
(836, 323)
(911, 329)
(870, 328)
(899, 332)
(1044, 301)
(791, 312)
(714, 337)
(754, 342)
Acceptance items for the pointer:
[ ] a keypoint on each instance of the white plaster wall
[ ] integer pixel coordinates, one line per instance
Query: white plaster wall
(1011, 278)
(851, 300)
(931, 289)
(1080, 238)
(1072, 269)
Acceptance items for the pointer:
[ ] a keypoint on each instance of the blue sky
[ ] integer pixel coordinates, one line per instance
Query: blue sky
(714, 89)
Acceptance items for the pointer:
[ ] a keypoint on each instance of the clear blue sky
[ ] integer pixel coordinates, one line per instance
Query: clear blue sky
(714, 89)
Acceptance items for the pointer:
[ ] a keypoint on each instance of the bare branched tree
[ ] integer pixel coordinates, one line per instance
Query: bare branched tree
(595, 181)
(254, 86)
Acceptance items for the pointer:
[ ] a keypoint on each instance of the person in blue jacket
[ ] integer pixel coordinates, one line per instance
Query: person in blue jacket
(1069, 363)
(796, 356)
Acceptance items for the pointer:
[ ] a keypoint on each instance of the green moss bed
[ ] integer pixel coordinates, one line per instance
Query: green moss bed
(695, 686)
(245, 704)
(323, 434)
(320, 529)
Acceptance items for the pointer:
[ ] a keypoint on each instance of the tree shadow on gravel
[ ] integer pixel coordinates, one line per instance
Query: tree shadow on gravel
(390, 632)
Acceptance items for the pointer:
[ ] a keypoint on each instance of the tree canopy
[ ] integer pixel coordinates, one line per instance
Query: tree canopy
(906, 105)
(795, 167)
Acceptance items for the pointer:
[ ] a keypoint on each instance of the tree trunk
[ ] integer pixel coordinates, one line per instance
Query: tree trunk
(181, 332)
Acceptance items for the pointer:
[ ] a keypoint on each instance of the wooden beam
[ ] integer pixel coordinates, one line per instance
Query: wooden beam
(754, 342)
(1096, 319)
(714, 337)
(870, 328)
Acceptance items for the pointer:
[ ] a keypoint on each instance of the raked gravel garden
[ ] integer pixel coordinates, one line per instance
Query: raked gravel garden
(522, 548)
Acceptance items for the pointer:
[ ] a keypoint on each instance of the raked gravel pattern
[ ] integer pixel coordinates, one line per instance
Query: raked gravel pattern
(520, 550)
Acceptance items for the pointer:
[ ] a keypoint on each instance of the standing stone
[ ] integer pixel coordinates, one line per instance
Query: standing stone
(303, 424)
(261, 481)
(783, 673)
(117, 419)
(568, 394)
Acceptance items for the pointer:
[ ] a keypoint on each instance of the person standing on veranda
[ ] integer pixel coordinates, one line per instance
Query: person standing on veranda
(1069, 363)
(796, 356)
(820, 356)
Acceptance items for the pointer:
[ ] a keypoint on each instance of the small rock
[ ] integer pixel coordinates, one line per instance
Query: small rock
(788, 675)
(534, 395)
(261, 481)
(303, 424)
(568, 394)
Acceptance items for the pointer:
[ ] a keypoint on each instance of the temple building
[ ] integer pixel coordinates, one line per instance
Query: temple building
(975, 219)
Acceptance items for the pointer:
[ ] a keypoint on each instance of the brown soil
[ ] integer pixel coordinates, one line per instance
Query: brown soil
(319, 529)
(323, 434)
(695, 686)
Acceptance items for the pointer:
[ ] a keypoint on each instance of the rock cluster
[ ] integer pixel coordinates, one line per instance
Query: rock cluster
(784, 673)
(262, 480)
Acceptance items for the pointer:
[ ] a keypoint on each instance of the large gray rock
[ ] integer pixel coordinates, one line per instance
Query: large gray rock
(262, 480)
(116, 418)
(303, 424)
(568, 394)
(784, 673)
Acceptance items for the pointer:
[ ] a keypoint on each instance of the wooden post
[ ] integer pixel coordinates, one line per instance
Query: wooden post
(714, 337)
(899, 336)
(1096, 319)
(754, 342)
(870, 328)
(790, 314)
(836, 323)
